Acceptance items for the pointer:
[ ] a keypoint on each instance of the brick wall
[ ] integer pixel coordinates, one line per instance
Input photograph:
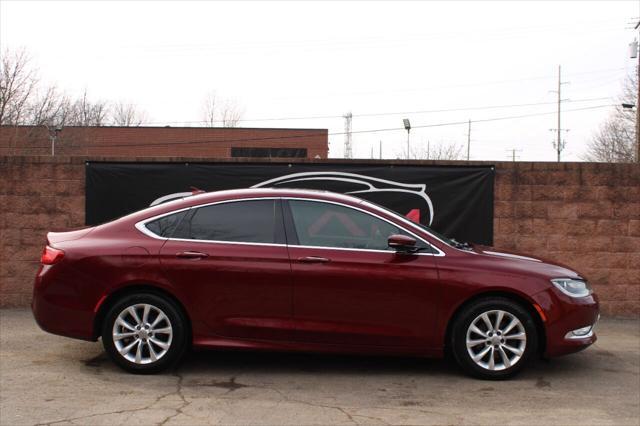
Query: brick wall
(200, 142)
(586, 215)
(37, 194)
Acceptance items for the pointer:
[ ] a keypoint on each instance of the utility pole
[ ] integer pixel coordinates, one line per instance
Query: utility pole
(428, 147)
(380, 149)
(559, 143)
(559, 109)
(469, 141)
(348, 148)
(638, 106)
(513, 154)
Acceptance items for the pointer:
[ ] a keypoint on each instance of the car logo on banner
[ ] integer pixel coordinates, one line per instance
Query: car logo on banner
(369, 188)
(381, 191)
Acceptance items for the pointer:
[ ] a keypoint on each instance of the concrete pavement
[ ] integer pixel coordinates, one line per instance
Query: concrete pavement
(46, 379)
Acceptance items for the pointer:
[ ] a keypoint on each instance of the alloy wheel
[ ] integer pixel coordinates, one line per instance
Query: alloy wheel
(142, 333)
(496, 340)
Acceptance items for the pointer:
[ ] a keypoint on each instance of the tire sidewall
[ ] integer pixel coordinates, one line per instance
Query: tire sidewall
(459, 346)
(178, 343)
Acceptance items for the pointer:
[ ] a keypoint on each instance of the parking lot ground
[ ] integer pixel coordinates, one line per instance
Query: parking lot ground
(46, 379)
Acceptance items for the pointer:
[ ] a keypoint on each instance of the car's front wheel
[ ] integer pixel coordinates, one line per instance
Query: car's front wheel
(493, 338)
(144, 333)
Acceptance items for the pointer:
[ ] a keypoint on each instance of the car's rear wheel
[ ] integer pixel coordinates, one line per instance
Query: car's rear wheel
(144, 333)
(493, 338)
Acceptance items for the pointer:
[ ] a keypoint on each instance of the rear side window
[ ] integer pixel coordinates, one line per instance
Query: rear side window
(166, 225)
(253, 221)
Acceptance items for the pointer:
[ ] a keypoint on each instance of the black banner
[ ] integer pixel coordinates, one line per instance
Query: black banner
(455, 201)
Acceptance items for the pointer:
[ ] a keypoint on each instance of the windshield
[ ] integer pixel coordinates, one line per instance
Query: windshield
(436, 234)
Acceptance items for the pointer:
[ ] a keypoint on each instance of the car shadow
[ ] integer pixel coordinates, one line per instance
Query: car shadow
(288, 363)
(212, 362)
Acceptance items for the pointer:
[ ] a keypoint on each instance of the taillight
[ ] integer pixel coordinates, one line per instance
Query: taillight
(51, 255)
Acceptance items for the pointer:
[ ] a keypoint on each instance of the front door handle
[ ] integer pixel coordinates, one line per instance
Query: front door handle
(313, 259)
(191, 255)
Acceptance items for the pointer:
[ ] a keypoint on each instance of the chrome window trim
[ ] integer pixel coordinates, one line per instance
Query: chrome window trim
(141, 226)
(243, 243)
(439, 253)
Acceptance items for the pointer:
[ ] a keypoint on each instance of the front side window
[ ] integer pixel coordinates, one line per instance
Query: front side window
(322, 224)
(252, 221)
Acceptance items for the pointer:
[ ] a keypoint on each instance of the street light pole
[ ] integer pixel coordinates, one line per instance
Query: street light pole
(53, 135)
(408, 155)
(407, 126)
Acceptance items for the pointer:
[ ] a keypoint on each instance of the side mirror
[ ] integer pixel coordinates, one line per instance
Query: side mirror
(402, 243)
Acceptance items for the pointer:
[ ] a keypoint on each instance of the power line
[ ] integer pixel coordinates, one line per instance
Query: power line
(380, 114)
(466, 85)
(316, 134)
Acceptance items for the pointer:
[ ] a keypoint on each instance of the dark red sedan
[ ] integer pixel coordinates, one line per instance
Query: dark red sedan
(280, 269)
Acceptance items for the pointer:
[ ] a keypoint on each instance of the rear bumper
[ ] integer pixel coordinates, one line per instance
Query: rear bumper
(564, 315)
(58, 308)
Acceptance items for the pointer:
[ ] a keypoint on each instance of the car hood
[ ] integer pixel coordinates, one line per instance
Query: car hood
(519, 262)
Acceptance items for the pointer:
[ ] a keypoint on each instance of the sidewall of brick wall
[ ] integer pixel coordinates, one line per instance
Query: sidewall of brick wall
(585, 215)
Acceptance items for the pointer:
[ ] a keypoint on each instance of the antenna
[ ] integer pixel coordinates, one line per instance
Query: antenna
(348, 149)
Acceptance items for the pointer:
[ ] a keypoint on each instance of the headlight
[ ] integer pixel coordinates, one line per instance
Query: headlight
(572, 288)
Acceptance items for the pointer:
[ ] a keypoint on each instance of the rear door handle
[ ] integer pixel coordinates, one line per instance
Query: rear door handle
(313, 259)
(191, 255)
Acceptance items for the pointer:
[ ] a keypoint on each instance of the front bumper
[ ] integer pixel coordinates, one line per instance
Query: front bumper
(564, 315)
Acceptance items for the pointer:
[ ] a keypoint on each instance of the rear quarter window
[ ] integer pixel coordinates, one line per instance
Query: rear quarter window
(166, 225)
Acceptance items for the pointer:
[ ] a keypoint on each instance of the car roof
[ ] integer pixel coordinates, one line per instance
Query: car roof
(269, 192)
(237, 194)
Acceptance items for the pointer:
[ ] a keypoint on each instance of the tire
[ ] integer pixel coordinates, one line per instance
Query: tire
(511, 344)
(144, 347)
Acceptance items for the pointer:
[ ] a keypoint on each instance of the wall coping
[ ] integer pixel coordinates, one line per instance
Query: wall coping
(524, 165)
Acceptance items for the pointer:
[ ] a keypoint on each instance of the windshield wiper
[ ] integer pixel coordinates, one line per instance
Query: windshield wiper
(461, 246)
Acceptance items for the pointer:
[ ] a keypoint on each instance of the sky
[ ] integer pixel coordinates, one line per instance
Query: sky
(381, 61)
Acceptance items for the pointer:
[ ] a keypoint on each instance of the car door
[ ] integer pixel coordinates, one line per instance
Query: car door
(231, 259)
(349, 287)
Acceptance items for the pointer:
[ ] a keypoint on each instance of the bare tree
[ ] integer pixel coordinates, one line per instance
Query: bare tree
(440, 151)
(17, 84)
(231, 114)
(615, 140)
(209, 109)
(449, 151)
(124, 114)
(85, 112)
(48, 107)
(226, 113)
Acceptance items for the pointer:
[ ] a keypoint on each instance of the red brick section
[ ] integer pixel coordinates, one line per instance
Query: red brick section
(201, 142)
(586, 215)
